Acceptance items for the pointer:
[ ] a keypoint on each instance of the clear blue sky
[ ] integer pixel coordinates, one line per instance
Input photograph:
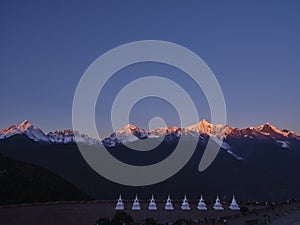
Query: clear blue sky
(252, 47)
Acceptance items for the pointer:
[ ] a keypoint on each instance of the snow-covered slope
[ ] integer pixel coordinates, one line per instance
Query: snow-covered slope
(127, 134)
(270, 130)
(206, 128)
(131, 133)
(65, 136)
(202, 131)
(36, 134)
(262, 132)
(69, 136)
(26, 128)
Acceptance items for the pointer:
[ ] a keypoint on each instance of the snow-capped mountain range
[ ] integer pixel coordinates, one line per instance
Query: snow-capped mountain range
(131, 133)
(37, 135)
(26, 128)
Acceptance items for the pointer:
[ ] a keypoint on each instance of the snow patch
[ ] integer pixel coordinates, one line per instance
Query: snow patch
(234, 155)
(26, 128)
(284, 144)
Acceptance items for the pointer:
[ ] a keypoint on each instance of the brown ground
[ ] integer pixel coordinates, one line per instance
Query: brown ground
(87, 213)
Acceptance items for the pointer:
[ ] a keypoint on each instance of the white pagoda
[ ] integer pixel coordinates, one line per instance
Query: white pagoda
(152, 205)
(136, 206)
(201, 205)
(218, 205)
(169, 205)
(234, 205)
(120, 204)
(185, 204)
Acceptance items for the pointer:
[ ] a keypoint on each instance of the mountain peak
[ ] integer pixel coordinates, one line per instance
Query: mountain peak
(25, 125)
(203, 126)
(204, 122)
(130, 133)
(267, 124)
(267, 128)
(129, 128)
(24, 128)
(24, 122)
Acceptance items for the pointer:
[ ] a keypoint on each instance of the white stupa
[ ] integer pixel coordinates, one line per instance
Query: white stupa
(120, 204)
(201, 205)
(185, 204)
(169, 204)
(136, 206)
(218, 205)
(152, 205)
(234, 205)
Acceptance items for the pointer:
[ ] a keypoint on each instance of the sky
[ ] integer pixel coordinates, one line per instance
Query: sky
(251, 46)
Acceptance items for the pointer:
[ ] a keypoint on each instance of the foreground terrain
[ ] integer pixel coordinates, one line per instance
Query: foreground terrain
(21, 182)
(78, 213)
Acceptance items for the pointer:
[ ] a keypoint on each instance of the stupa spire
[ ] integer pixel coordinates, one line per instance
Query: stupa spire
(169, 204)
(185, 204)
(218, 205)
(136, 204)
(120, 204)
(234, 205)
(201, 205)
(152, 204)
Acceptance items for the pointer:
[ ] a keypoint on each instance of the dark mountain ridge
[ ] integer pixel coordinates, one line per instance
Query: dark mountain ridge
(267, 171)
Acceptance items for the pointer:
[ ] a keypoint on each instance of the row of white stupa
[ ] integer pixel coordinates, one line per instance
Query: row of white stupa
(136, 206)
